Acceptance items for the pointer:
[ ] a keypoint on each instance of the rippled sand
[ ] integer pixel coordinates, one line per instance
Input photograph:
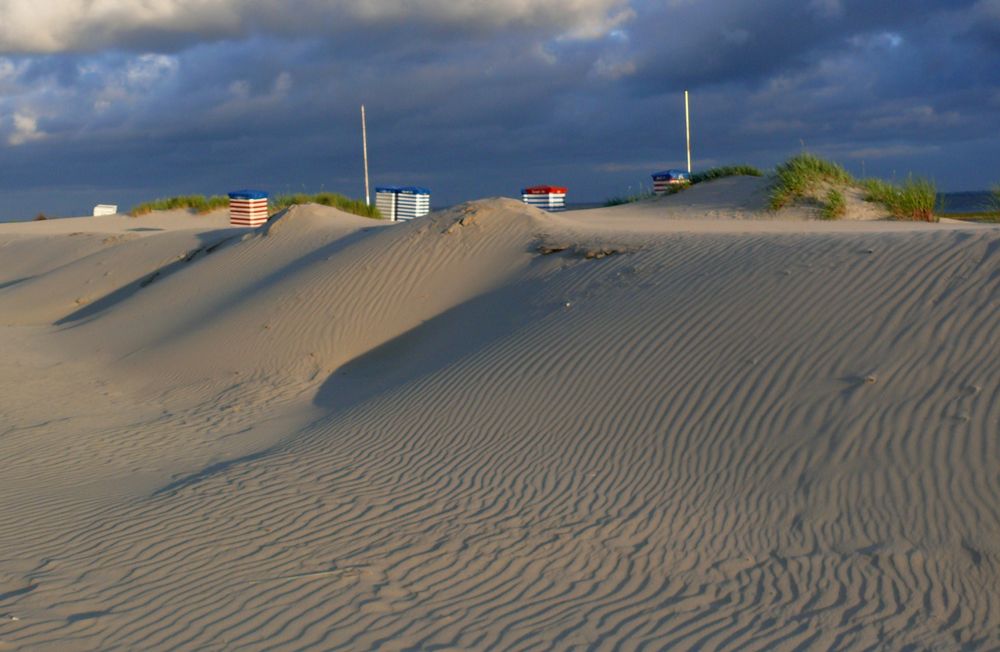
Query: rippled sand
(495, 428)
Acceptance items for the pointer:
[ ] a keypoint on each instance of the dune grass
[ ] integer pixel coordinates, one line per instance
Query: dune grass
(197, 203)
(802, 174)
(629, 198)
(202, 204)
(836, 204)
(726, 171)
(346, 204)
(697, 177)
(914, 199)
(806, 174)
(877, 190)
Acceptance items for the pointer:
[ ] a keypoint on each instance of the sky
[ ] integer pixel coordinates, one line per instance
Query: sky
(121, 101)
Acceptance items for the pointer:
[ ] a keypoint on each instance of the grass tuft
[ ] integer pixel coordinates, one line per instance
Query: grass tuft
(806, 174)
(878, 191)
(632, 198)
(914, 199)
(697, 177)
(354, 206)
(40, 217)
(802, 174)
(726, 171)
(198, 203)
(644, 192)
(836, 205)
(202, 204)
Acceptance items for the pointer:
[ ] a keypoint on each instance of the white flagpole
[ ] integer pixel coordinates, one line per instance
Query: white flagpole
(687, 124)
(364, 142)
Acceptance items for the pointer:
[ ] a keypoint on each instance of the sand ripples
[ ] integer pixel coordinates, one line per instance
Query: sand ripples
(716, 441)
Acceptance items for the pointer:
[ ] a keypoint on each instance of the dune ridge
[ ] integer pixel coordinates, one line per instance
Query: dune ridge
(467, 433)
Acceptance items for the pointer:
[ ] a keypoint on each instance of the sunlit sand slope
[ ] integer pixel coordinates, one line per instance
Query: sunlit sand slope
(502, 429)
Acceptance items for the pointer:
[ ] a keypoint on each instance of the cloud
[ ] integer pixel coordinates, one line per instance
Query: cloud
(30, 26)
(474, 97)
(988, 10)
(647, 166)
(25, 129)
(613, 68)
(130, 82)
(918, 117)
(827, 8)
(985, 22)
(892, 151)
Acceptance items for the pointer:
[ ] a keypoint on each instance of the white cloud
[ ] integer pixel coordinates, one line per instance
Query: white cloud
(10, 73)
(244, 99)
(7, 69)
(613, 68)
(25, 129)
(149, 69)
(30, 26)
(240, 89)
(133, 82)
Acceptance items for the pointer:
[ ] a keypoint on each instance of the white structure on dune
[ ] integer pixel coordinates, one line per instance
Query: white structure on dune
(402, 202)
(669, 180)
(547, 198)
(385, 201)
(248, 208)
(105, 209)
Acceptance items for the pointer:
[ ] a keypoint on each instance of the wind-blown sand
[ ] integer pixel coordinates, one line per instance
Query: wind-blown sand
(496, 428)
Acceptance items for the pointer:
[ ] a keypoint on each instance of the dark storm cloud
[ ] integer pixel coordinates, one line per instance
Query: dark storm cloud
(709, 43)
(984, 23)
(476, 99)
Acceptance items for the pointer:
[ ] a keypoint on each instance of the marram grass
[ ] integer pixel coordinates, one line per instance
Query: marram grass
(629, 198)
(802, 174)
(698, 177)
(836, 204)
(914, 199)
(202, 204)
(805, 174)
(346, 204)
(726, 171)
(197, 203)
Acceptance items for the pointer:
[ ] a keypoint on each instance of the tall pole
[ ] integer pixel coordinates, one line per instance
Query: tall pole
(364, 143)
(687, 124)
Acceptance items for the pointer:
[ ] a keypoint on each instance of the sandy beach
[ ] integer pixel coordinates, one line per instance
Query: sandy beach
(685, 423)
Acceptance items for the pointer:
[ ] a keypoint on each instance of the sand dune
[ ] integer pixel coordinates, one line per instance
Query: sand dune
(495, 428)
(740, 198)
